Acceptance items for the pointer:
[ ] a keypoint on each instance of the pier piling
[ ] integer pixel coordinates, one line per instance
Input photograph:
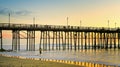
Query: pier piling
(1, 44)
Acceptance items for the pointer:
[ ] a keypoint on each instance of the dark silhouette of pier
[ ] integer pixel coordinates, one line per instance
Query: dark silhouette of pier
(63, 37)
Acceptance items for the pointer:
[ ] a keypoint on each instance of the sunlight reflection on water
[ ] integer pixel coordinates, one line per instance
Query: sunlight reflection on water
(102, 56)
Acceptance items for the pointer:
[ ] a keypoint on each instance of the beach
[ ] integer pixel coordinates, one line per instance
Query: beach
(16, 62)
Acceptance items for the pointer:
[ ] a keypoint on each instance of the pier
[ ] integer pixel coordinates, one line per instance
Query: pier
(63, 37)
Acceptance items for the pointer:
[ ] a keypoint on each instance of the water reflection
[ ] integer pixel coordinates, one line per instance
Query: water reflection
(88, 58)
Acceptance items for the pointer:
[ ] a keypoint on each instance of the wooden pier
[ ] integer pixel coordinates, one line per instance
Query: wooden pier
(55, 37)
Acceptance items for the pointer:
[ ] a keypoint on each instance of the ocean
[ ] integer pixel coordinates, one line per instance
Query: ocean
(99, 56)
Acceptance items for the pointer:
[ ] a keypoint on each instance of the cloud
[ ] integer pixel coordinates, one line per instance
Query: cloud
(5, 11)
(23, 12)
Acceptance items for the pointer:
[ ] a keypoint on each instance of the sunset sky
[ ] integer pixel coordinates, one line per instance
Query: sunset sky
(94, 13)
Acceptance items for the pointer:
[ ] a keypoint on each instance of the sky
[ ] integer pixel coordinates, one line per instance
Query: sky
(92, 13)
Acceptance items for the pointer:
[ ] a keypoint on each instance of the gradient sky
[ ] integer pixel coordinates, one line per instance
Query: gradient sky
(93, 13)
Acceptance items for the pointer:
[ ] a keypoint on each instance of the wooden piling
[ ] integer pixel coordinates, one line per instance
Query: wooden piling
(71, 40)
(62, 40)
(1, 44)
(68, 40)
(46, 40)
(89, 40)
(104, 40)
(43, 40)
(92, 40)
(40, 40)
(75, 40)
(118, 40)
(98, 40)
(85, 35)
(114, 40)
(78, 40)
(56, 41)
(106, 44)
(49, 40)
(53, 41)
(65, 42)
(81, 40)
(15, 40)
(27, 42)
(110, 40)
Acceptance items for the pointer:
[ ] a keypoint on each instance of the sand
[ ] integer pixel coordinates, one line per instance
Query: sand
(16, 62)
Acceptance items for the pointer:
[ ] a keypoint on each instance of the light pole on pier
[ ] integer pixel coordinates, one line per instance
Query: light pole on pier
(108, 23)
(34, 21)
(80, 23)
(9, 18)
(67, 21)
(115, 24)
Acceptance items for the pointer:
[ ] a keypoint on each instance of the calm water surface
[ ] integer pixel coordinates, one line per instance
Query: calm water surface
(101, 56)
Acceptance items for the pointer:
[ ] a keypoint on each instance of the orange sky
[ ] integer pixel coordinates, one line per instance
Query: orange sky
(93, 13)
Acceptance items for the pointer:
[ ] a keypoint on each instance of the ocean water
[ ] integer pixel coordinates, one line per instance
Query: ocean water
(100, 56)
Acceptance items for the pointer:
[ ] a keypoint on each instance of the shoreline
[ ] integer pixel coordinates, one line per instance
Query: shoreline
(17, 61)
(75, 63)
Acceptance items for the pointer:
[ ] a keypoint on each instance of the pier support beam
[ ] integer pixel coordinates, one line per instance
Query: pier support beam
(43, 40)
(114, 40)
(31, 40)
(56, 41)
(71, 40)
(110, 40)
(1, 44)
(49, 40)
(94, 40)
(68, 39)
(64, 45)
(89, 40)
(62, 40)
(75, 40)
(106, 37)
(81, 40)
(119, 40)
(15, 40)
(78, 40)
(98, 40)
(46, 40)
(101, 38)
(53, 40)
(40, 47)
(85, 35)
(59, 40)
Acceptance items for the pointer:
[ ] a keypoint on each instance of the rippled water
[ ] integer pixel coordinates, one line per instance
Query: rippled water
(109, 57)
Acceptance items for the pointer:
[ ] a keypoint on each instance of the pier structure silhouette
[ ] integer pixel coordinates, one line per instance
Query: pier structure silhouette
(58, 37)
